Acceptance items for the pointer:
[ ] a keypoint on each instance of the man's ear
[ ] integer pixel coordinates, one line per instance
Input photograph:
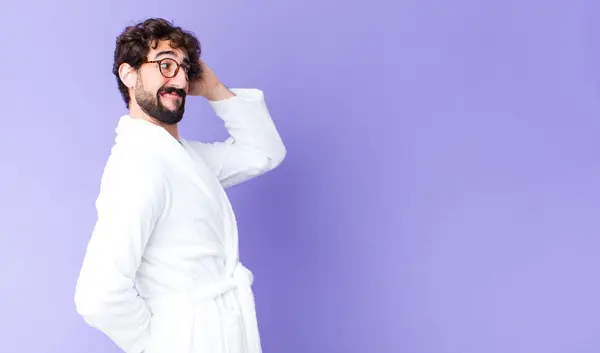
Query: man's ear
(128, 75)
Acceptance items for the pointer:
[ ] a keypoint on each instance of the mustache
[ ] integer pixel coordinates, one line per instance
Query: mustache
(177, 91)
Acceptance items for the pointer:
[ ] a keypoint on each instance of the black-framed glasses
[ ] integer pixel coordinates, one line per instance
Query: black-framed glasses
(170, 67)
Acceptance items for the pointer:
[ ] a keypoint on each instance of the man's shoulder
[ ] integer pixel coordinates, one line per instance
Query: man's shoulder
(133, 166)
(133, 180)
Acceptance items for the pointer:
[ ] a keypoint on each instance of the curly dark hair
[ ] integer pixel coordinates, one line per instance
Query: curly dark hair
(134, 43)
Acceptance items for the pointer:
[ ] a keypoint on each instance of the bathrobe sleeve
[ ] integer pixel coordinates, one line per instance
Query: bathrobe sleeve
(131, 199)
(254, 146)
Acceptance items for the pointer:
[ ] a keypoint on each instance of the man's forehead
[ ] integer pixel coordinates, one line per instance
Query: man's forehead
(164, 49)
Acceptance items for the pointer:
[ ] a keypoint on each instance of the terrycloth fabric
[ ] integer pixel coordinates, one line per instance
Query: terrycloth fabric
(161, 273)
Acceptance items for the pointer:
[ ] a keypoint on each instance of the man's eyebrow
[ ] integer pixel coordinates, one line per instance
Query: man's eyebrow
(165, 52)
(171, 53)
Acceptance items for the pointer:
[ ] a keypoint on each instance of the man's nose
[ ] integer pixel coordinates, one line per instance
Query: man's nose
(180, 80)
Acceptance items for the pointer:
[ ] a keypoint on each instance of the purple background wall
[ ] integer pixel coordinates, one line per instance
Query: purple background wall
(441, 192)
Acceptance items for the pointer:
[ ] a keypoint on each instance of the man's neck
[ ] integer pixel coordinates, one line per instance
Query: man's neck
(136, 113)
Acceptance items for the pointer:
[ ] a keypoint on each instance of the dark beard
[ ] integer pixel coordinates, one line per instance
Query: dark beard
(154, 107)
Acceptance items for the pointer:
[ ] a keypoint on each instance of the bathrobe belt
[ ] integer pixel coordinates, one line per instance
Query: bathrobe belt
(240, 282)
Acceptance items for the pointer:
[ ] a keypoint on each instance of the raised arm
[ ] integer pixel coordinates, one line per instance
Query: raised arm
(130, 202)
(254, 146)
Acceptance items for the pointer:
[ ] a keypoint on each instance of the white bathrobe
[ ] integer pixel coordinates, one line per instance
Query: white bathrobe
(161, 273)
